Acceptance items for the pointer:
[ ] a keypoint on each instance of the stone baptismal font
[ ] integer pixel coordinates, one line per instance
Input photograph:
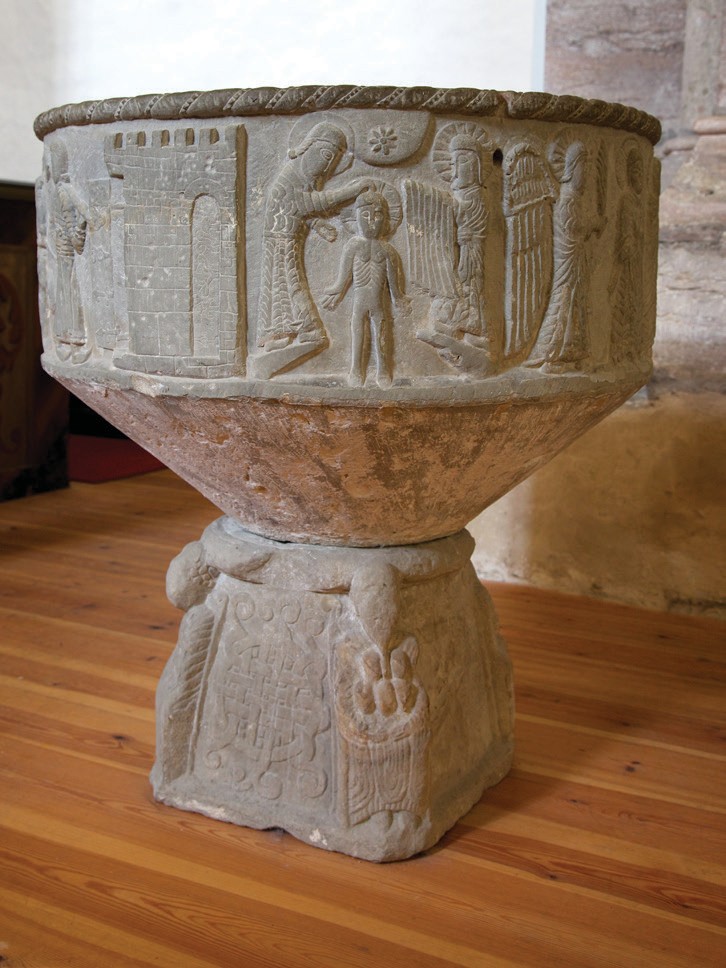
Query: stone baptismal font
(352, 318)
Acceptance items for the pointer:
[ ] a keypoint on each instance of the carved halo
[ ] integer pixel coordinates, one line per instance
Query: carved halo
(302, 128)
(469, 133)
(516, 147)
(393, 200)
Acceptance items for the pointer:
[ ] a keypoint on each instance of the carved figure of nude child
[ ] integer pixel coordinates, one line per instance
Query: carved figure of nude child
(374, 268)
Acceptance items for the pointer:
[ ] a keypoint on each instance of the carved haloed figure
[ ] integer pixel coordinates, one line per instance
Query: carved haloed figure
(374, 268)
(339, 672)
(287, 310)
(471, 228)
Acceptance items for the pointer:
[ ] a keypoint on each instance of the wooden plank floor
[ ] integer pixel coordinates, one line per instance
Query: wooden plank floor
(604, 848)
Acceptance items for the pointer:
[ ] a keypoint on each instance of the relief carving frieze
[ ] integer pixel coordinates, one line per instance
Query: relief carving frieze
(365, 249)
(65, 237)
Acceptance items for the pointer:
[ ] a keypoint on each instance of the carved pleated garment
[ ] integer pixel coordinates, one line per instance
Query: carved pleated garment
(564, 332)
(70, 238)
(626, 282)
(471, 227)
(286, 308)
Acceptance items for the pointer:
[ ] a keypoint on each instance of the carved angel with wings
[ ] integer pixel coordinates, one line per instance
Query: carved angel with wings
(529, 193)
(446, 246)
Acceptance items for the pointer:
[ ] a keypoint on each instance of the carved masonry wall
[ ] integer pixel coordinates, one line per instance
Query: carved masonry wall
(378, 253)
(180, 218)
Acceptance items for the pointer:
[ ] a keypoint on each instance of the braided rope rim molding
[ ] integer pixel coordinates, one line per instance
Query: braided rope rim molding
(247, 102)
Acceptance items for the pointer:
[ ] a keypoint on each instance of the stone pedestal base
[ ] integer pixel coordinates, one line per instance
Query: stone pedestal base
(359, 698)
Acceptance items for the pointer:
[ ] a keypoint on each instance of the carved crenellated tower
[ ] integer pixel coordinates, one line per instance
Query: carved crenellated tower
(181, 213)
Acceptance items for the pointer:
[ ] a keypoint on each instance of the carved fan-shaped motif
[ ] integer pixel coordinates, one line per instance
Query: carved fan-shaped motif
(529, 194)
(431, 236)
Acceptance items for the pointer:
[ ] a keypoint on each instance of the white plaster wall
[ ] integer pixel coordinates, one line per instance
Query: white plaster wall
(27, 82)
(76, 50)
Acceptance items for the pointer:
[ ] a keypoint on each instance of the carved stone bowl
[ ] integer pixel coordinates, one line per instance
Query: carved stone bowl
(349, 315)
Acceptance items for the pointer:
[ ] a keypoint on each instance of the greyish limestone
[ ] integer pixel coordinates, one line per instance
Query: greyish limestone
(359, 698)
(353, 318)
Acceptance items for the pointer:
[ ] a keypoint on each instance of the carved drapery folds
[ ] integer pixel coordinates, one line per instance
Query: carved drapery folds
(360, 248)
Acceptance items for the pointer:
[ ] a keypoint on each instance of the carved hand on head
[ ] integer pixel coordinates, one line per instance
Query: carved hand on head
(360, 185)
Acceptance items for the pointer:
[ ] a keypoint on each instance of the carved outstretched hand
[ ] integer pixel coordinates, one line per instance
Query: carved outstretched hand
(331, 298)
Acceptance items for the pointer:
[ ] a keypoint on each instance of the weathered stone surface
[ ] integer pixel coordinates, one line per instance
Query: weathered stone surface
(632, 511)
(703, 70)
(352, 318)
(345, 474)
(359, 698)
(307, 315)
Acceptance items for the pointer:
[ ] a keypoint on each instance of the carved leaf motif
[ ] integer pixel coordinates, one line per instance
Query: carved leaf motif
(197, 633)
(189, 667)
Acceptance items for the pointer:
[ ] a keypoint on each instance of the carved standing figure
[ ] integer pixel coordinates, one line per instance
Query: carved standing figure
(67, 236)
(374, 268)
(42, 223)
(287, 311)
(447, 250)
(563, 342)
(468, 177)
(626, 280)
